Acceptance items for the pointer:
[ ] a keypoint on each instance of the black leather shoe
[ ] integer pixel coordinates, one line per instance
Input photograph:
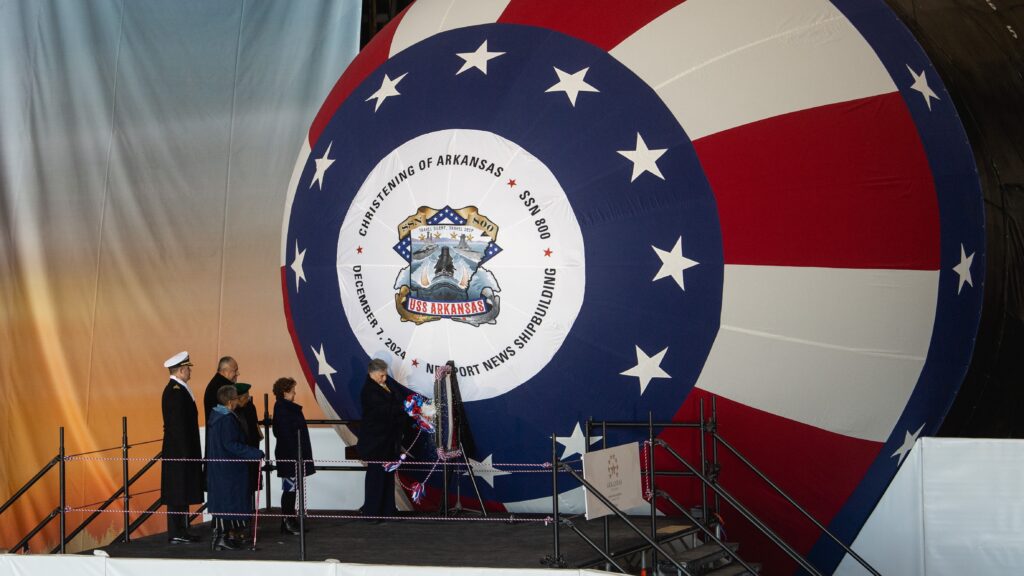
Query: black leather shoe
(289, 526)
(181, 540)
(224, 543)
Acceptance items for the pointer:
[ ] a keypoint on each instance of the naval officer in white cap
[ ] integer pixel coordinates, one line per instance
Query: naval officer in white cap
(181, 483)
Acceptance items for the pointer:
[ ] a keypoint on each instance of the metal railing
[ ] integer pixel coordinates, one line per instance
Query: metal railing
(559, 466)
(708, 475)
(60, 460)
(60, 511)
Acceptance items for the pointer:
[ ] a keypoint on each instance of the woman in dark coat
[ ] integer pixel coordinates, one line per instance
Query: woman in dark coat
(227, 498)
(380, 436)
(289, 428)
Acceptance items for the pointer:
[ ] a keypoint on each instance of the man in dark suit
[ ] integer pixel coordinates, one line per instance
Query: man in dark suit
(181, 483)
(227, 375)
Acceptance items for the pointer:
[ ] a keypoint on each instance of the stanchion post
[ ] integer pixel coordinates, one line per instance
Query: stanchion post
(300, 485)
(444, 485)
(266, 448)
(63, 494)
(654, 489)
(604, 444)
(557, 558)
(124, 476)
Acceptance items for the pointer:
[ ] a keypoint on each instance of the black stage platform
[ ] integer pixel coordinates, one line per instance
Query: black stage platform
(465, 541)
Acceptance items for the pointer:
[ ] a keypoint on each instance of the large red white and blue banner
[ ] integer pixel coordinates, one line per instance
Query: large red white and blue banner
(624, 209)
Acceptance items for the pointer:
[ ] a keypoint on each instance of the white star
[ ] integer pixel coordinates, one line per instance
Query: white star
(963, 269)
(477, 59)
(908, 443)
(300, 274)
(322, 164)
(673, 263)
(577, 443)
(643, 158)
(386, 90)
(921, 85)
(323, 368)
(572, 84)
(647, 368)
(485, 470)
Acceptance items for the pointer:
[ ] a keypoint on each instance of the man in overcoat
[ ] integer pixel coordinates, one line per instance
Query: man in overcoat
(227, 374)
(383, 425)
(181, 483)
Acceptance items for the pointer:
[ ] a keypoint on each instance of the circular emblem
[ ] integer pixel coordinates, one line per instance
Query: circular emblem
(466, 248)
(627, 214)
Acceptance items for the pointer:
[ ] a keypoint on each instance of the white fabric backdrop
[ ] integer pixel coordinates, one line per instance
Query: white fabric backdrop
(955, 507)
(145, 153)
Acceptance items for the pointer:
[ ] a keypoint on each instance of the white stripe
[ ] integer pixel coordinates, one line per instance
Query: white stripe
(837, 349)
(293, 184)
(429, 17)
(718, 64)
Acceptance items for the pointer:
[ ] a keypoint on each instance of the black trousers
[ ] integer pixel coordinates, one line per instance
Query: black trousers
(379, 491)
(177, 524)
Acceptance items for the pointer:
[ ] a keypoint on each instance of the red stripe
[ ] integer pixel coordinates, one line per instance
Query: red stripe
(819, 469)
(369, 59)
(841, 186)
(291, 330)
(604, 23)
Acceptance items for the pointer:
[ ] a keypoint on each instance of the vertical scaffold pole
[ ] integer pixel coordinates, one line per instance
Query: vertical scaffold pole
(714, 445)
(704, 459)
(300, 495)
(124, 477)
(63, 494)
(606, 519)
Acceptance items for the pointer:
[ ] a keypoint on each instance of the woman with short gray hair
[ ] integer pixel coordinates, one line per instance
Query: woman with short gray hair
(380, 437)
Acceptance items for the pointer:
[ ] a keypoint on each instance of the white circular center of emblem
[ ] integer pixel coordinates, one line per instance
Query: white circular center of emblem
(461, 245)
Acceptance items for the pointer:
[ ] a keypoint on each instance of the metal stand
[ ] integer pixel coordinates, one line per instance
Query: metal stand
(446, 470)
(458, 509)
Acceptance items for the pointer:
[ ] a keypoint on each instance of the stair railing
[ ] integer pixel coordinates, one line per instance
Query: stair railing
(704, 528)
(709, 478)
(739, 507)
(718, 439)
(60, 462)
(556, 561)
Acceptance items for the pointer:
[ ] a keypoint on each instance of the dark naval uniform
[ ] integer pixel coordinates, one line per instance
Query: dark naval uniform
(181, 483)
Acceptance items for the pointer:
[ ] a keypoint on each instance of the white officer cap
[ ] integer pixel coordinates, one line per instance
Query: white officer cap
(179, 359)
